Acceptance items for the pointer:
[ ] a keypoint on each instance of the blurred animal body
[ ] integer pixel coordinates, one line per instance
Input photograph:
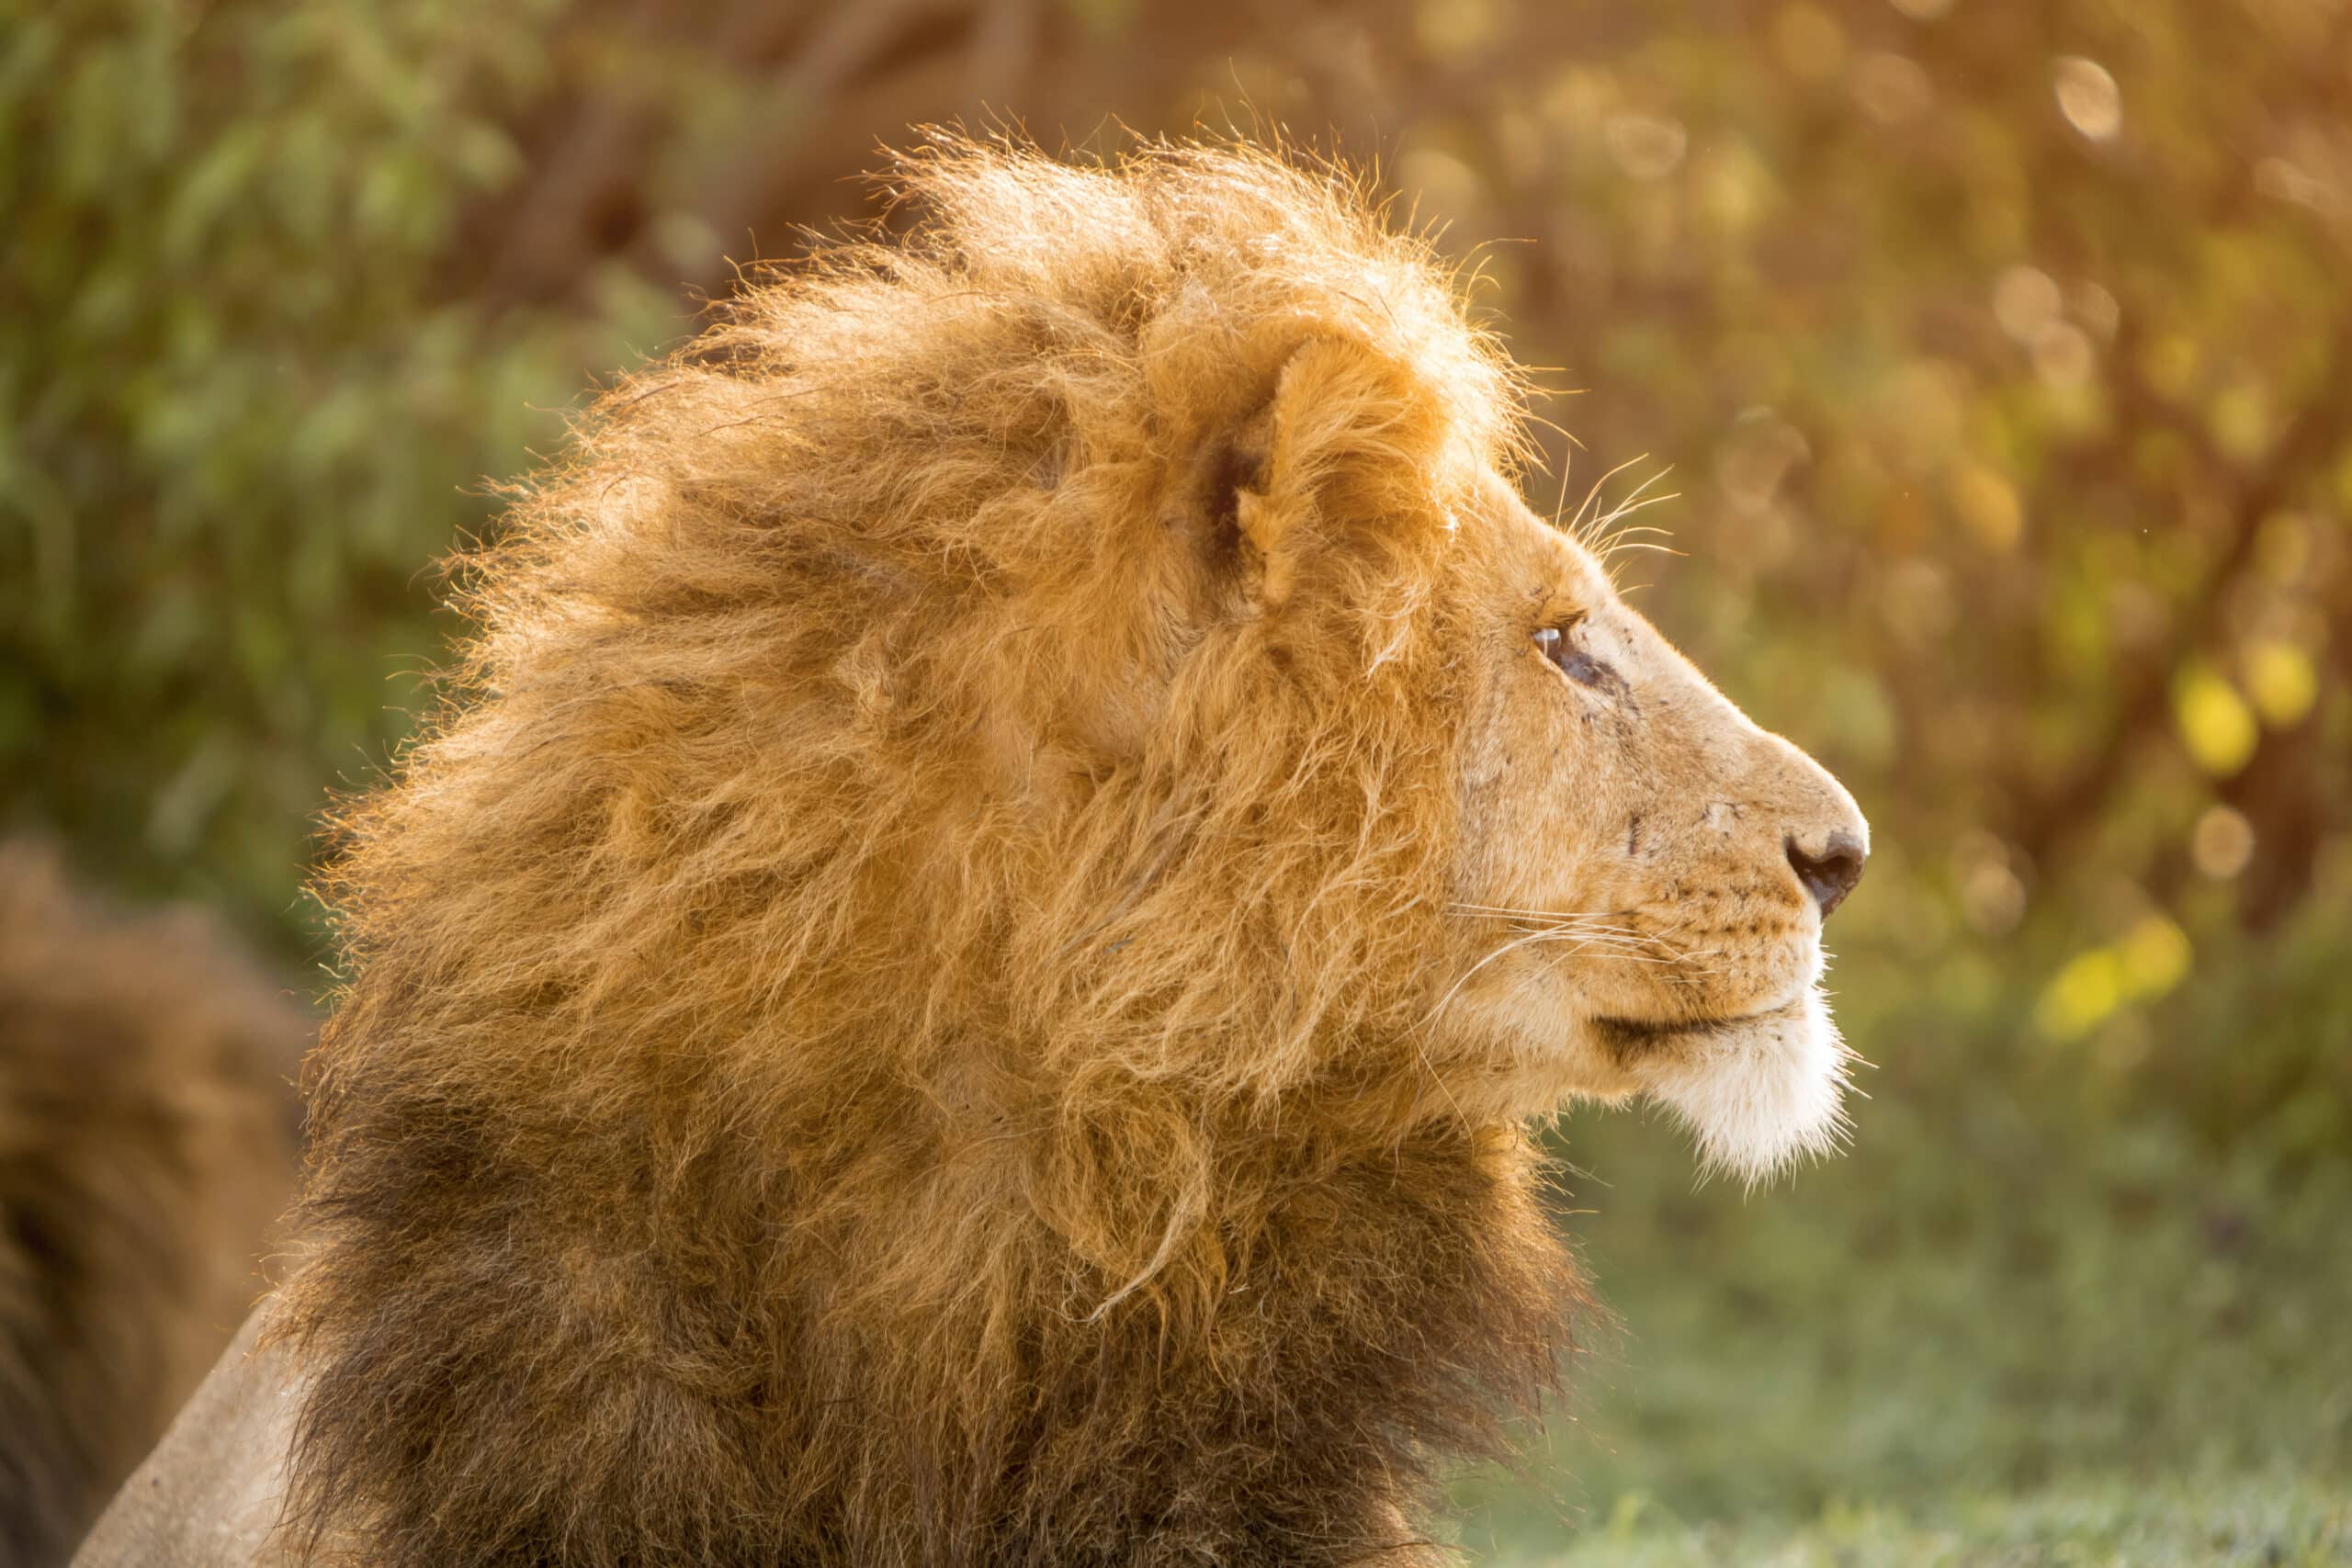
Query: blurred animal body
(1027, 825)
(146, 1145)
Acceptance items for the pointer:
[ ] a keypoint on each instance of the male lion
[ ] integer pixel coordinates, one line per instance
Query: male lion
(1026, 825)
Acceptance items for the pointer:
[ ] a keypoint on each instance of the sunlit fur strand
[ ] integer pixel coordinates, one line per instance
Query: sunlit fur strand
(878, 1022)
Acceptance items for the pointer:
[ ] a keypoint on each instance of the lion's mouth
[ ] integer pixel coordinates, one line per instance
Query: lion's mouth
(1628, 1037)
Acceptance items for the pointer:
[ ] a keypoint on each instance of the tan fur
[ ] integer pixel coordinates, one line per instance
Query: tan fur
(146, 1142)
(927, 1000)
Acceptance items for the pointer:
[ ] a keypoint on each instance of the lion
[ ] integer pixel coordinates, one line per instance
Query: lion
(1028, 832)
(146, 1144)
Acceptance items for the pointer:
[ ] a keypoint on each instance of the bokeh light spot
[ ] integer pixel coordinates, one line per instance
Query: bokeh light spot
(1811, 44)
(2097, 309)
(1756, 456)
(2081, 994)
(2155, 956)
(1988, 506)
(2148, 961)
(1445, 189)
(2215, 723)
(1993, 897)
(2087, 96)
(2241, 420)
(1892, 88)
(1647, 147)
(1450, 31)
(2025, 301)
(1992, 894)
(2281, 680)
(2062, 354)
(2221, 843)
(1917, 602)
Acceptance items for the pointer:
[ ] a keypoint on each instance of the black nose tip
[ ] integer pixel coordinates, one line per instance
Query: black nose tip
(1831, 875)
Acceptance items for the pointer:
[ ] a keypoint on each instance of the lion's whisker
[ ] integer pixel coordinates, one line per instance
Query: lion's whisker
(1664, 959)
(1472, 973)
(1589, 925)
(1627, 505)
(1528, 913)
(1575, 523)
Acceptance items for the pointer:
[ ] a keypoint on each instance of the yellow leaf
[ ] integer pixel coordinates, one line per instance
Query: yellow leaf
(2080, 997)
(2152, 957)
(2215, 723)
(2281, 679)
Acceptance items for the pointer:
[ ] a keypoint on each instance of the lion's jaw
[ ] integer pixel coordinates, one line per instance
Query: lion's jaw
(1640, 924)
(1761, 1091)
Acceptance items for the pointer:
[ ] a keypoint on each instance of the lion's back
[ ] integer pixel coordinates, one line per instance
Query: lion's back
(146, 1144)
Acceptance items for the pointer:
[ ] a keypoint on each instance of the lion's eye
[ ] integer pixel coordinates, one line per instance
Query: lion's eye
(1556, 644)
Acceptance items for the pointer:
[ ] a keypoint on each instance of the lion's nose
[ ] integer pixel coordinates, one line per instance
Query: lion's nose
(1831, 875)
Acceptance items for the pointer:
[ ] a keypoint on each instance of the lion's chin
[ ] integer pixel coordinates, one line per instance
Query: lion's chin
(1758, 1092)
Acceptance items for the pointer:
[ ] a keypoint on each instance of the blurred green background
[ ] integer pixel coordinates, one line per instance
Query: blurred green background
(1997, 355)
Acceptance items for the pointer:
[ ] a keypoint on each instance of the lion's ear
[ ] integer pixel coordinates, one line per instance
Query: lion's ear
(1346, 442)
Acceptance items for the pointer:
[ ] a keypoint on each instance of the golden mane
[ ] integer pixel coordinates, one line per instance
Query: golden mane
(880, 1021)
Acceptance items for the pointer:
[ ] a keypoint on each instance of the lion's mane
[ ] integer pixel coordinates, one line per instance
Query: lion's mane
(876, 1027)
(146, 1143)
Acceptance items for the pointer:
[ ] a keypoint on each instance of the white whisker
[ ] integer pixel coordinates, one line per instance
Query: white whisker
(1631, 503)
(1577, 522)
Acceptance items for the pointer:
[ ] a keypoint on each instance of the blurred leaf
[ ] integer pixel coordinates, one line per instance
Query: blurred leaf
(2082, 994)
(2215, 723)
(2282, 682)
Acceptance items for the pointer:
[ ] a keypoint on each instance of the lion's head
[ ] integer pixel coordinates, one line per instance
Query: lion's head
(1026, 823)
(1525, 835)
(1643, 872)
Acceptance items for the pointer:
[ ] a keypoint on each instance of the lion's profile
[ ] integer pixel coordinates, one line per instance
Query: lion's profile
(146, 1144)
(1026, 823)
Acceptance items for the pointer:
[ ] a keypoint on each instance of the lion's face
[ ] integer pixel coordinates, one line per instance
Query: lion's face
(1645, 871)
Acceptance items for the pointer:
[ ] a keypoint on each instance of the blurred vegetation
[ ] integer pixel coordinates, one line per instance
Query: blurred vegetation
(1997, 355)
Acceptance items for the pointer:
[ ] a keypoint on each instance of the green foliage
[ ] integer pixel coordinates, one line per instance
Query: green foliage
(236, 423)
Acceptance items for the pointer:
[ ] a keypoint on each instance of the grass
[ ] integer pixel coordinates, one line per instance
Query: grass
(2268, 1523)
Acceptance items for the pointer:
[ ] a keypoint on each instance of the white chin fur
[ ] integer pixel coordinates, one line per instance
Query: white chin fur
(1761, 1096)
